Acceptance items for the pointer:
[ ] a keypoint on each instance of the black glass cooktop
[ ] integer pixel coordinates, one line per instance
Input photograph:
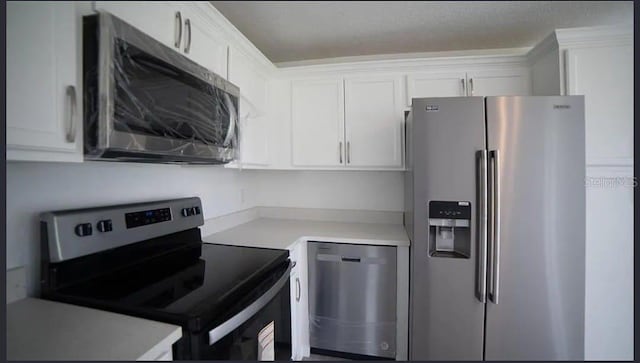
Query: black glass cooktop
(195, 285)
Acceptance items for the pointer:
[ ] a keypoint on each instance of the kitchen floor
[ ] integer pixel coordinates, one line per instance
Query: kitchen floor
(317, 357)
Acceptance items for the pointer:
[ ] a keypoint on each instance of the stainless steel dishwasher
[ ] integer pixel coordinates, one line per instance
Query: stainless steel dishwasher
(352, 298)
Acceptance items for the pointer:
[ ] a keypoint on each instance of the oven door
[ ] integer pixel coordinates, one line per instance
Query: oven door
(147, 101)
(260, 331)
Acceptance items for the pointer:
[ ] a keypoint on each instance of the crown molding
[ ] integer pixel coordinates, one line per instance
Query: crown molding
(235, 37)
(394, 63)
(597, 36)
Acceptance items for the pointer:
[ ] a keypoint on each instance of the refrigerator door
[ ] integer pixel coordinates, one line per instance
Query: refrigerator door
(447, 317)
(537, 250)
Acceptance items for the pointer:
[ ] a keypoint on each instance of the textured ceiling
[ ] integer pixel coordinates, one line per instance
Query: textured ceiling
(300, 30)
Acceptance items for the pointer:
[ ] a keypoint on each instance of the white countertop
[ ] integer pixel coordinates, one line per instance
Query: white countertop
(47, 330)
(282, 233)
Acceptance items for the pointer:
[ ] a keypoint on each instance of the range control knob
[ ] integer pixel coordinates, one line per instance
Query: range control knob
(195, 211)
(105, 225)
(186, 212)
(83, 229)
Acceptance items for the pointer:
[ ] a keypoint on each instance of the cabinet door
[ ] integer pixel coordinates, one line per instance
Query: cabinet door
(43, 94)
(251, 81)
(203, 44)
(161, 20)
(435, 85)
(296, 353)
(317, 122)
(604, 75)
(498, 83)
(299, 302)
(374, 119)
(254, 148)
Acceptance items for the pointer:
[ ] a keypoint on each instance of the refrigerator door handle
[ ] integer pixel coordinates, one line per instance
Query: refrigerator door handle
(481, 282)
(494, 282)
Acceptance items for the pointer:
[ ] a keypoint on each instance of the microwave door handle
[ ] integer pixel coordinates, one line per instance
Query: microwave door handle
(232, 120)
(230, 325)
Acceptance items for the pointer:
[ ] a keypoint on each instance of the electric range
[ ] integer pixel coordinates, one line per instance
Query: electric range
(148, 260)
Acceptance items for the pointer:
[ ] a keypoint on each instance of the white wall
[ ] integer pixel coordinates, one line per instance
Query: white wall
(604, 75)
(609, 264)
(37, 187)
(369, 190)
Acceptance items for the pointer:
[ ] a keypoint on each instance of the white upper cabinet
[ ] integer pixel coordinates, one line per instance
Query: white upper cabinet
(203, 44)
(44, 120)
(252, 82)
(161, 20)
(317, 122)
(254, 119)
(373, 121)
(502, 82)
(450, 84)
(604, 75)
(176, 25)
(498, 82)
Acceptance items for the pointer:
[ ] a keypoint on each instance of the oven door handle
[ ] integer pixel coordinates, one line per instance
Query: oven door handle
(230, 325)
(232, 120)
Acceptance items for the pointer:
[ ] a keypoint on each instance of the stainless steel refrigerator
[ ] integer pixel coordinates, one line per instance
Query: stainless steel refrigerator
(495, 210)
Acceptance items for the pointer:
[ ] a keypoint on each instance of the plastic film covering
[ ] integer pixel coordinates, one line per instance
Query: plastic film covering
(144, 101)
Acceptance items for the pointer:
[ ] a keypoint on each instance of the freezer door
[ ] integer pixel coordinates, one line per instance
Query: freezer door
(537, 249)
(447, 315)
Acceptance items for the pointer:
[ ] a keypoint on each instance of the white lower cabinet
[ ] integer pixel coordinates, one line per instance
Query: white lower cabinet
(44, 100)
(300, 346)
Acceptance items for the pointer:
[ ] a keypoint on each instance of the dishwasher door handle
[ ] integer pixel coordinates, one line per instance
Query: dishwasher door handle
(350, 259)
(364, 260)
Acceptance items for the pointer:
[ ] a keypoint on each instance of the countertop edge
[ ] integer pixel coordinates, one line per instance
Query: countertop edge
(157, 350)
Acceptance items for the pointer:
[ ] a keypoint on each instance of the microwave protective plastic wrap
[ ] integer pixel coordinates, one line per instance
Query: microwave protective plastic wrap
(146, 102)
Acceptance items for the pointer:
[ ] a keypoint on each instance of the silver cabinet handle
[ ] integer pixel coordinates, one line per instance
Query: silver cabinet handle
(298, 290)
(464, 90)
(340, 150)
(481, 278)
(187, 25)
(494, 281)
(471, 85)
(177, 29)
(348, 152)
(73, 105)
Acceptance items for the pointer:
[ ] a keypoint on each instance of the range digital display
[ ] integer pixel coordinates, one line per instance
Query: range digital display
(143, 218)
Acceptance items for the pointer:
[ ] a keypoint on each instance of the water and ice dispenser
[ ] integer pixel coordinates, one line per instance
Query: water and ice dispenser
(449, 229)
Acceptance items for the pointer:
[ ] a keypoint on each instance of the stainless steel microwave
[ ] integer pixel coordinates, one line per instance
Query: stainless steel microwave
(145, 102)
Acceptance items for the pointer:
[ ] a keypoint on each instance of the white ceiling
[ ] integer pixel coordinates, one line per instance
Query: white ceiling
(301, 30)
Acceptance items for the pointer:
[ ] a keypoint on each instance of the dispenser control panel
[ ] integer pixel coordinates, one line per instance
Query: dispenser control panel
(449, 229)
(449, 210)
